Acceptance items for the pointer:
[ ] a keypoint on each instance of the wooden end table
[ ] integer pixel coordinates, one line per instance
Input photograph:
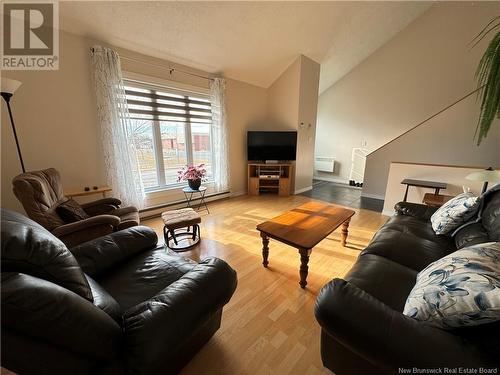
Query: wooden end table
(437, 186)
(435, 200)
(303, 228)
(82, 193)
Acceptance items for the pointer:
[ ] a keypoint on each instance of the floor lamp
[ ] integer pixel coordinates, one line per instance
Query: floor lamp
(485, 176)
(9, 86)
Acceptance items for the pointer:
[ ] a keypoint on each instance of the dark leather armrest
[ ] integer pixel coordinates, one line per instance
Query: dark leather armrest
(173, 315)
(113, 201)
(38, 308)
(420, 211)
(98, 255)
(101, 206)
(82, 225)
(385, 337)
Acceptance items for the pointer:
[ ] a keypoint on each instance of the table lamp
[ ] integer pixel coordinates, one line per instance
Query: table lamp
(9, 86)
(486, 175)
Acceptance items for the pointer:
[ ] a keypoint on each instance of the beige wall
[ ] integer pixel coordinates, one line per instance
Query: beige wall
(446, 139)
(308, 105)
(292, 105)
(246, 109)
(55, 114)
(424, 68)
(284, 96)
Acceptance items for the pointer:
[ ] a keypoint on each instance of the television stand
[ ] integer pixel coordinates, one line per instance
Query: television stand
(270, 178)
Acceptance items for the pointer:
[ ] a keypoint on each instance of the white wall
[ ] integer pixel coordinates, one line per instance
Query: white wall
(55, 114)
(424, 68)
(453, 176)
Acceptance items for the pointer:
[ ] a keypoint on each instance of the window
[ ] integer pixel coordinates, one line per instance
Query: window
(170, 129)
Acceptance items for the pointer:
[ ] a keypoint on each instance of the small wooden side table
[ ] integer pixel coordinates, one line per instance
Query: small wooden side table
(421, 183)
(82, 193)
(435, 200)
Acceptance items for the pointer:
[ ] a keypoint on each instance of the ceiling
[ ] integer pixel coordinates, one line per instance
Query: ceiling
(252, 42)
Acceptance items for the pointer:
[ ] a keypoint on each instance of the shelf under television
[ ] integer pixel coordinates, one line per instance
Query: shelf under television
(281, 180)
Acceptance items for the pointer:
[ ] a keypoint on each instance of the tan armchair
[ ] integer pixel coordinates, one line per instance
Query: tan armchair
(41, 193)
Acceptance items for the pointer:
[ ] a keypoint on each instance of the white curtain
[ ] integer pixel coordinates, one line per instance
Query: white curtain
(220, 134)
(120, 159)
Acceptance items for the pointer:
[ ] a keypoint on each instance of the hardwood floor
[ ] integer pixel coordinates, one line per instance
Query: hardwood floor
(268, 327)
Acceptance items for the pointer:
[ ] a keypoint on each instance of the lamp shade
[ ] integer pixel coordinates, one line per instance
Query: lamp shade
(9, 86)
(484, 176)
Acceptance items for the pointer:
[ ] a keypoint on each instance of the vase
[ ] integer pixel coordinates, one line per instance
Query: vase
(194, 184)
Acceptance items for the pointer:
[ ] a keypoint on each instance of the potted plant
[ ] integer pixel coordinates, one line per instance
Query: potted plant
(193, 174)
(488, 79)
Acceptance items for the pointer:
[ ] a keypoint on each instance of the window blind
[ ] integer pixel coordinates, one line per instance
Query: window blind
(165, 105)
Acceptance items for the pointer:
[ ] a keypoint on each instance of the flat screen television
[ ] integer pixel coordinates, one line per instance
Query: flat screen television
(263, 145)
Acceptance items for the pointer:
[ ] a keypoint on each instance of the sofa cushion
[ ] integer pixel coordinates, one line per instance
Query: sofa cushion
(146, 273)
(469, 235)
(129, 217)
(30, 249)
(490, 215)
(454, 213)
(410, 242)
(104, 301)
(40, 192)
(384, 279)
(461, 289)
(101, 254)
(71, 211)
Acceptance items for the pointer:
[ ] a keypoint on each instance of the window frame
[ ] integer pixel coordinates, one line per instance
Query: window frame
(145, 82)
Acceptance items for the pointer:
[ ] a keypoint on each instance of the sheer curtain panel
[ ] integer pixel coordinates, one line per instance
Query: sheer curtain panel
(120, 159)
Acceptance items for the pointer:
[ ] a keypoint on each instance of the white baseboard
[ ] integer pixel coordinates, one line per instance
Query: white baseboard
(238, 193)
(373, 196)
(388, 212)
(332, 179)
(303, 190)
(152, 212)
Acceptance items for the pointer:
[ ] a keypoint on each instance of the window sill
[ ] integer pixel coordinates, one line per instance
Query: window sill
(173, 187)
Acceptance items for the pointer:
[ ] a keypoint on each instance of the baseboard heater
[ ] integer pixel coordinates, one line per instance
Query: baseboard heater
(208, 198)
(324, 164)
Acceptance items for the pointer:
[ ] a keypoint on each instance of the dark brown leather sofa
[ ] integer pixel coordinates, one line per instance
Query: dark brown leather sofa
(363, 330)
(115, 305)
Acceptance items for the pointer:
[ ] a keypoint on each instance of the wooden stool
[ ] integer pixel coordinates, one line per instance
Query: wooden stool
(178, 219)
(436, 200)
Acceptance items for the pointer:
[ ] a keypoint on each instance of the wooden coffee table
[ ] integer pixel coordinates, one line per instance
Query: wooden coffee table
(303, 228)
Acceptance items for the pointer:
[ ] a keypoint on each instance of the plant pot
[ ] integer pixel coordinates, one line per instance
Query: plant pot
(194, 184)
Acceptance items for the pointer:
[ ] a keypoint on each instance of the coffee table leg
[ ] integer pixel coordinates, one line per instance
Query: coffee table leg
(345, 232)
(304, 260)
(265, 249)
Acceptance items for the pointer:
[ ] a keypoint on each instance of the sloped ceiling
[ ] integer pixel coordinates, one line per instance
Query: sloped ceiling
(252, 42)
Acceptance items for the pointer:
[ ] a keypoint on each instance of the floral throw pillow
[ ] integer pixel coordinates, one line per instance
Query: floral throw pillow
(460, 289)
(454, 213)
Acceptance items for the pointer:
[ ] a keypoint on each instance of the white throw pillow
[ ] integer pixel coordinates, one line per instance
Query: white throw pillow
(460, 289)
(454, 213)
